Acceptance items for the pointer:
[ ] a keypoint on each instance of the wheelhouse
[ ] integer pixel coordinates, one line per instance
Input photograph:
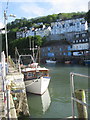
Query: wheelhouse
(29, 75)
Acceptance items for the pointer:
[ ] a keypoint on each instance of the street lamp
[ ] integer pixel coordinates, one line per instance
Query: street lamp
(5, 22)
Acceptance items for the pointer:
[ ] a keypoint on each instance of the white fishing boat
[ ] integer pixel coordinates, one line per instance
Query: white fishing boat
(50, 61)
(36, 78)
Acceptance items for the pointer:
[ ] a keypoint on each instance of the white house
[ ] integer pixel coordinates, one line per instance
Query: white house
(71, 25)
(40, 31)
(44, 31)
(80, 45)
(59, 27)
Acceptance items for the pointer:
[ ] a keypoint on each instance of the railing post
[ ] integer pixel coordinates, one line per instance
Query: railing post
(72, 93)
(73, 98)
(3, 70)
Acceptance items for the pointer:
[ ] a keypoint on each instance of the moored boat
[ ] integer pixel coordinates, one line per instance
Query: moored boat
(36, 78)
(87, 62)
(50, 61)
(67, 62)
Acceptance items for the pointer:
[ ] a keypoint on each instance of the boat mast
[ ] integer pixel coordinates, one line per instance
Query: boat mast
(33, 48)
(29, 43)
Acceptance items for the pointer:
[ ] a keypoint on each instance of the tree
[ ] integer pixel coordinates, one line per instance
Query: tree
(88, 16)
(38, 40)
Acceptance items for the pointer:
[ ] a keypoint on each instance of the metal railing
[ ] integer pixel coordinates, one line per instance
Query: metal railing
(72, 92)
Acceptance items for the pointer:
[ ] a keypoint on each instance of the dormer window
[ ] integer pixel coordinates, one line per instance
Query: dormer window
(86, 40)
(83, 40)
(79, 40)
(76, 41)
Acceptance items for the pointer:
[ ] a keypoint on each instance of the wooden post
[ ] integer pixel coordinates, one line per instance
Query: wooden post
(82, 110)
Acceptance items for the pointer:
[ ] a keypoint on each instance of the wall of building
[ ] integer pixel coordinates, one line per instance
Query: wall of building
(68, 36)
(78, 45)
(56, 52)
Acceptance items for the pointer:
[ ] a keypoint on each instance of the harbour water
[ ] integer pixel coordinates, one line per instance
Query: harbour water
(56, 101)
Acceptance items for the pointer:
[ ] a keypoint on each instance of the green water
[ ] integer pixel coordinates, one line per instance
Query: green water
(58, 97)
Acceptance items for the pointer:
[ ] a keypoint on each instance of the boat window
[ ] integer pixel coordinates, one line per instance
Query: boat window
(44, 73)
(33, 74)
(29, 74)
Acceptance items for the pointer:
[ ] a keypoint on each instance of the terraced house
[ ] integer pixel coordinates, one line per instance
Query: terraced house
(72, 40)
(70, 25)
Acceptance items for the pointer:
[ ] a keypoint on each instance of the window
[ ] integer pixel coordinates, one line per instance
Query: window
(71, 24)
(79, 40)
(77, 47)
(69, 47)
(30, 74)
(83, 35)
(78, 25)
(43, 49)
(86, 40)
(77, 36)
(60, 49)
(50, 54)
(76, 41)
(64, 53)
(63, 26)
(48, 48)
(83, 40)
(69, 53)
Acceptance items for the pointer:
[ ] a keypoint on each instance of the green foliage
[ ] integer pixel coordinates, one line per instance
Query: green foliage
(44, 40)
(38, 40)
(18, 23)
(88, 16)
(23, 43)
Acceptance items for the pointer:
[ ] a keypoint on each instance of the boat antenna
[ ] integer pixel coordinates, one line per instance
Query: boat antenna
(7, 6)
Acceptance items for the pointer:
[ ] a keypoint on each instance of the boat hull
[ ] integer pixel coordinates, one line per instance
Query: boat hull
(37, 86)
(50, 61)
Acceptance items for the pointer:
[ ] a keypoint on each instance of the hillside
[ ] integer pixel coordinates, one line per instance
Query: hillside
(24, 22)
(23, 43)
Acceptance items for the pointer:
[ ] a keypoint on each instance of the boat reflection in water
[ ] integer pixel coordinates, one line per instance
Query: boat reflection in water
(38, 104)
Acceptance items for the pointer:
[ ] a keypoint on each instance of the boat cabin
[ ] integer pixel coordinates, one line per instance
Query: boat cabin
(30, 75)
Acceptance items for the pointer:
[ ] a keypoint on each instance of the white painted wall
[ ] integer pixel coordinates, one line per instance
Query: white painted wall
(81, 46)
